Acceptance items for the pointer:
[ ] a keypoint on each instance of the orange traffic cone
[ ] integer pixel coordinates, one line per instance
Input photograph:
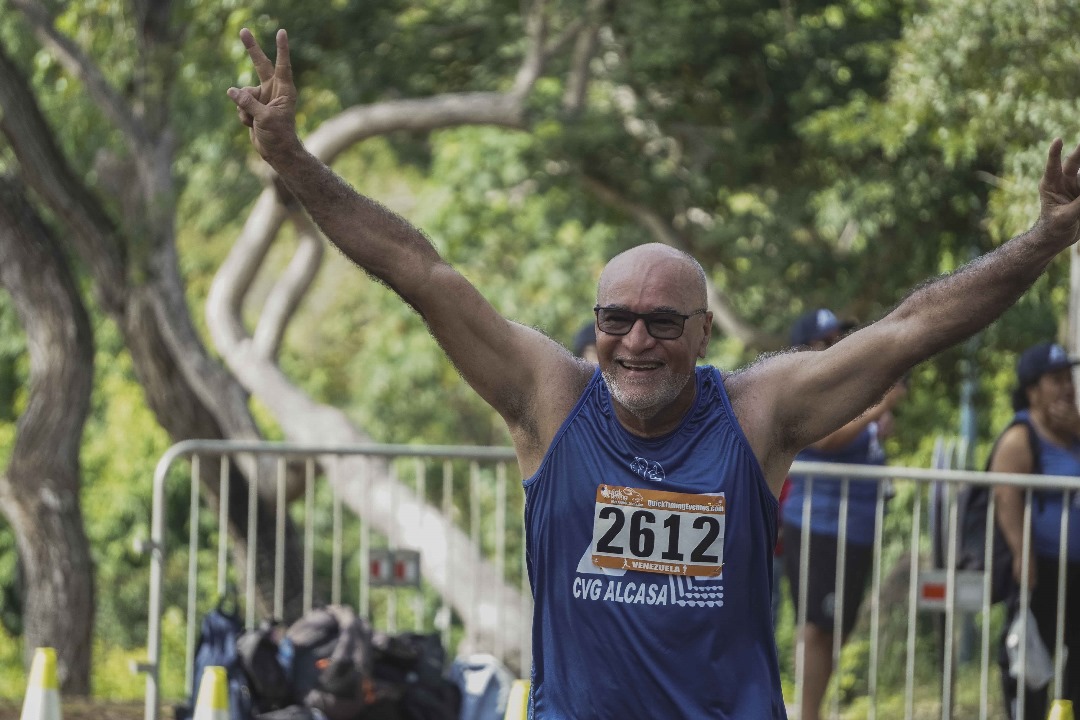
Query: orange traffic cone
(213, 701)
(1061, 710)
(42, 700)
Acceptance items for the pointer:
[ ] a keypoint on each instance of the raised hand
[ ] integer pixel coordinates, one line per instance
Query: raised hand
(270, 108)
(1059, 194)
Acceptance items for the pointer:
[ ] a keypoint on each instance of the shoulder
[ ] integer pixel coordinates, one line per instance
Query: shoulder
(537, 423)
(1012, 452)
(753, 393)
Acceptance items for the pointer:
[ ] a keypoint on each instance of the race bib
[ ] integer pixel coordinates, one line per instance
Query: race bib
(659, 532)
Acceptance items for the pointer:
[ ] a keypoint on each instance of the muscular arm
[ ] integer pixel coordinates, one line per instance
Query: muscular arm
(785, 402)
(525, 376)
(846, 435)
(1013, 455)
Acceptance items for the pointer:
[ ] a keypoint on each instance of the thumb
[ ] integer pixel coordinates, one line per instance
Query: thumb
(244, 100)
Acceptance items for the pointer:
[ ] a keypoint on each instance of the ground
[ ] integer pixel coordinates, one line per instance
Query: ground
(76, 710)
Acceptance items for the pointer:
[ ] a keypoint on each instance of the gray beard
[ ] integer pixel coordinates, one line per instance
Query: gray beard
(646, 406)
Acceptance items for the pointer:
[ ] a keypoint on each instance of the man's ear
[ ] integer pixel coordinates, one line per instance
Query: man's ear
(705, 335)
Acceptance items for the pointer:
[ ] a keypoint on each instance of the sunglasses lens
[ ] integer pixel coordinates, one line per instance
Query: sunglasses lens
(664, 326)
(614, 322)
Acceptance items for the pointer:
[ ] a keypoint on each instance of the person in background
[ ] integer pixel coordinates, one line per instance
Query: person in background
(859, 441)
(1045, 401)
(650, 482)
(585, 342)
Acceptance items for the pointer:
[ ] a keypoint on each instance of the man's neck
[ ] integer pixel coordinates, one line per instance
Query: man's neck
(651, 422)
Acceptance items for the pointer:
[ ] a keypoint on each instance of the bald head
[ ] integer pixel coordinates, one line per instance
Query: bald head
(653, 270)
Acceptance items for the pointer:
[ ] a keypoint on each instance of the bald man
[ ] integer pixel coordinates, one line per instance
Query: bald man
(650, 482)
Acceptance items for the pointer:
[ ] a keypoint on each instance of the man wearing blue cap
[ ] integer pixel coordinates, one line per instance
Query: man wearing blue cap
(858, 442)
(818, 329)
(1043, 438)
(650, 482)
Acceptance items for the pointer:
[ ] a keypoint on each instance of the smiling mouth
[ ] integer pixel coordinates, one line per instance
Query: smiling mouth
(639, 365)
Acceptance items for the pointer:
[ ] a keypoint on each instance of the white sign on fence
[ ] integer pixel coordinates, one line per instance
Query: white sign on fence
(393, 568)
(933, 590)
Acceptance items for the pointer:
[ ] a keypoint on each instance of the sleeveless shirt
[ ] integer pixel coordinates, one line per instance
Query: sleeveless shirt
(864, 449)
(650, 565)
(1046, 506)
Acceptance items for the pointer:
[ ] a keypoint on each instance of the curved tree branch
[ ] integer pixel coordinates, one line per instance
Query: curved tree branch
(532, 64)
(289, 290)
(76, 62)
(577, 78)
(93, 234)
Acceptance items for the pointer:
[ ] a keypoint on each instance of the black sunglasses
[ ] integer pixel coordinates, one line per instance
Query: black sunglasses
(661, 325)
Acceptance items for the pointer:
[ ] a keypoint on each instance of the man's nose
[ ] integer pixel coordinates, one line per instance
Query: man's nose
(639, 335)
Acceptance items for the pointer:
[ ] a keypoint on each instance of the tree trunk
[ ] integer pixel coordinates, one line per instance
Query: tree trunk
(39, 492)
(136, 279)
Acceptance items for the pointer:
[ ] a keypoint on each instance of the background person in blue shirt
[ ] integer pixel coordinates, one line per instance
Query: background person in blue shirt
(1045, 397)
(857, 442)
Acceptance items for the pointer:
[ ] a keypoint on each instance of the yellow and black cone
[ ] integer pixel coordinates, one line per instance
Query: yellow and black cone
(1061, 710)
(42, 701)
(213, 700)
(517, 707)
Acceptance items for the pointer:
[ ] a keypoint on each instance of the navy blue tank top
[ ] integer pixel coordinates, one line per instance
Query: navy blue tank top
(1046, 509)
(650, 562)
(825, 507)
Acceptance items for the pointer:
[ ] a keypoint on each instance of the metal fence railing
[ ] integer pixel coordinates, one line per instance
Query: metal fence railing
(427, 539)
(431, 539)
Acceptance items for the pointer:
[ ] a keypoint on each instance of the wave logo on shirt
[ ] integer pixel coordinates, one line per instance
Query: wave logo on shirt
(697, 591)
(648, 469)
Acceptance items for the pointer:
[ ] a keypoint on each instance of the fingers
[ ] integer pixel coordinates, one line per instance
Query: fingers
(1072, 163)
(247, 106)
(1053, 160)
(283, 68)
(263, 67)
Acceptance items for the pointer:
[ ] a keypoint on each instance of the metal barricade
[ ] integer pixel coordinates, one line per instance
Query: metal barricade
(442, 517)
(962, 591)
(444, 522)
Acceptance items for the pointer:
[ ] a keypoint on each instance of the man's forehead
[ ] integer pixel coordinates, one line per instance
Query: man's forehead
(664, 277)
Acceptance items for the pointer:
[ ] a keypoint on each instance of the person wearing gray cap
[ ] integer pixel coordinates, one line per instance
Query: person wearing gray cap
(1042, 438)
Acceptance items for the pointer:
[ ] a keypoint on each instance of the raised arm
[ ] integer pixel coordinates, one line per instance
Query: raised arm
(785, 402)
(845, 435)
(528, 378)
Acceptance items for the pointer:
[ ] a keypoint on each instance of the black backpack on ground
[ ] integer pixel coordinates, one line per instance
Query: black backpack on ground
(415, 663)
(329, 665)
(216, 646)
(329, 659)
(972, 502)
(257, 651)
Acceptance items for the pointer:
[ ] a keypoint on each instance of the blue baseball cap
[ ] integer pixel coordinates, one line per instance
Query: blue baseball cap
(816, 324)
(1036, 361)
(584, 337)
